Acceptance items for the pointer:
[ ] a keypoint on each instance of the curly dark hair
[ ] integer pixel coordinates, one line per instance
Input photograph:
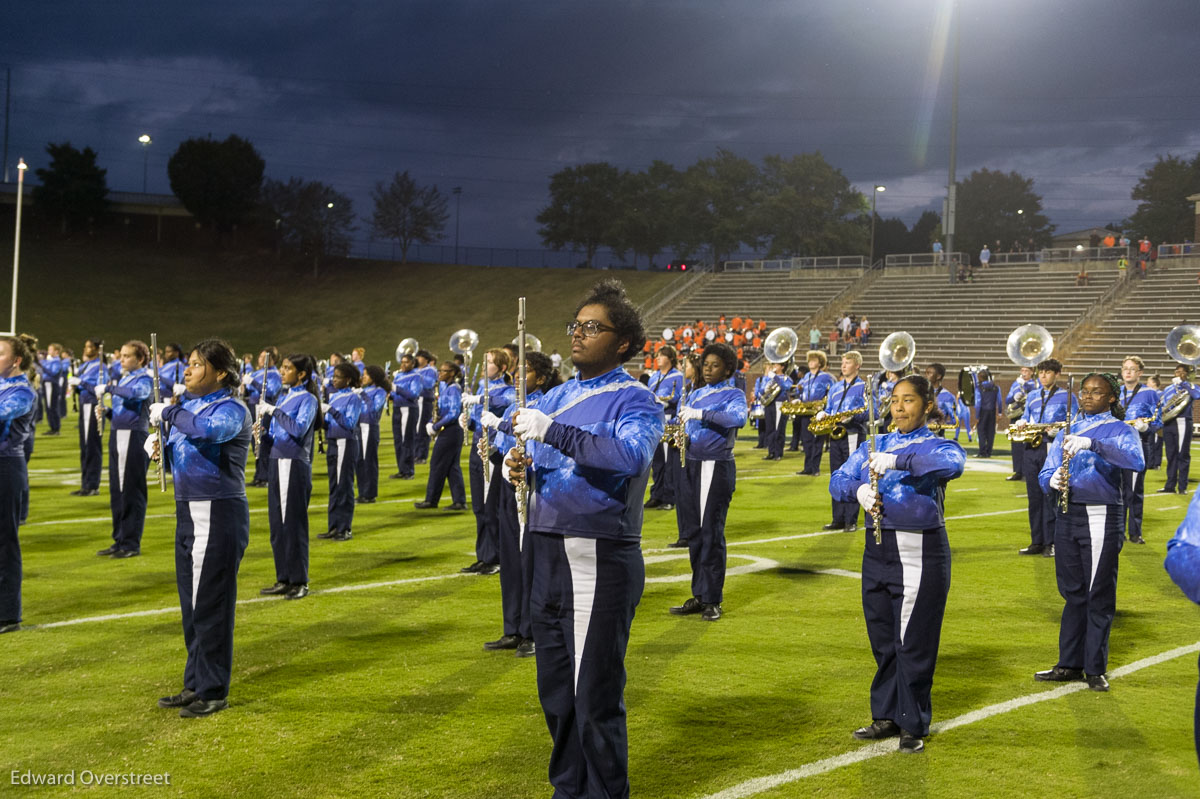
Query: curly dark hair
(725, 353)
(623, 314)
(348, 371)
(378, 376)
(540, 364)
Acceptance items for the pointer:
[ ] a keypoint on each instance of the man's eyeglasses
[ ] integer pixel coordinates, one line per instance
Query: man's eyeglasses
(588, 329)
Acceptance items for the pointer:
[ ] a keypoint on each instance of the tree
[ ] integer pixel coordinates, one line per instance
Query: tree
(1163, 213)
(73, 188)
(809, 208)
(408, 213)
(717, 202)
(309, 216)
(217, 181)
(648, 210)
(584, 209)
(993, 206)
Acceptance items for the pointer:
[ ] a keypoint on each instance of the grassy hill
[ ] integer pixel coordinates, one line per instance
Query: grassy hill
(70, 291)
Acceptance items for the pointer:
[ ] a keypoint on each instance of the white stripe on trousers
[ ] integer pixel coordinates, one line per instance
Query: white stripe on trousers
(285, 477)
(341, 448)
(49, 391)
(201, 513)
(365, 431)
(909, 545)
(1181, 428)
(404, 424)
(581, 557)
(87, 414)
(122, 453)
(853, 442)
(1097, 515)
(706, 476)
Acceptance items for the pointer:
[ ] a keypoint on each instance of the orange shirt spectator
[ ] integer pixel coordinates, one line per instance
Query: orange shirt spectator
(648, 364)
(738, 339)
(735, 324)
(646, 348)
(741, 353)
(757, 341)
(722, 329)
(748, 324)
(762, 325)
(1110, 240)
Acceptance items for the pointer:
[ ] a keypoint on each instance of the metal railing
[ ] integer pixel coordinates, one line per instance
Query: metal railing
(1178, 250)
(925, 259)
(1081, 253)
(789, 264)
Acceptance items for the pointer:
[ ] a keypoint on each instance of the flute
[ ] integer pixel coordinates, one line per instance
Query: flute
(162, 428)
(521, 486)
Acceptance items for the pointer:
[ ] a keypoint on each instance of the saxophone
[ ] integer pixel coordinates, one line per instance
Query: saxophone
(831, 425)
(801, 408)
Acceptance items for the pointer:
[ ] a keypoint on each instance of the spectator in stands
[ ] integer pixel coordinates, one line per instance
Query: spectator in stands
(937, 252)
(1109, 241)
(1082, 278)
(814, 337)
(556, 360)
(833, 342)
(844, 325)
(985, 256)
(865, 331)
(1124, 242)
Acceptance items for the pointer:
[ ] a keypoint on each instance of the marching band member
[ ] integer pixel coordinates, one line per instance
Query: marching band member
(760, 383)
(291, 425)
(341, 452)
(947, 403)
(1141, 408)
(406, 394)
(589, 445)
(374, 394)
(171, 371)
(693, 377)
(356, 358)
(1183, 564)
(209, 443)
(127, 459)
(987, 397)
(265, 386)
(51, 369)
(814, 386)
(712, 416)
(17, 403)
(1087, 538)
(483, 502)
(1045, 405)
(1177, 432)
(774, 422)
(447, 436)
(427, 369)
(1021, 388)
(91, 374)
(667, 385)
(516, 561)
(846, 395)
(1154, 453)
(906, 577)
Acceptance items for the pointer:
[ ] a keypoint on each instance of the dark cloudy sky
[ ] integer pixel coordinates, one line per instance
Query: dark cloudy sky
(496, 95)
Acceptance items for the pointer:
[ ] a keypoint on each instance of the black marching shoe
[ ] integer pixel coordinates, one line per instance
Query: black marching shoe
(181, 699)
(1059, 674)
(104, 553)
(9, 626)
(342, 535)
(850, 528)
(1097, 682)
(1012, 478)
(458, 506)
(666, 506)
(395, 476)
(692, 605)
(93, 493)
(526, 649)
(489, 568)
(1136, 539)
(1165, 490)
(1048, 552)
(680, 543)
(472, 569)
(297, 591)
(121, 554)
(1032, 549)
(202, 707)
(879, 728)
(651, 503)
(275, 590)
(423, 505)
(327, 534)
(503, 642)
(711, 612)
(362, 501)
(910, 744)
(831, 526)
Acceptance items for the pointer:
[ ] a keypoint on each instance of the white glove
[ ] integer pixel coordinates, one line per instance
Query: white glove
(247, 379)
(429, 431)
(1140, 425)
(102, 389)
(470, 400)
(490, 420)
(1073, 445)
(820, 415)
(325, 407)
(691, 414)
(265, 408)
(73, 380)
(178, 389)
(1056, 479)
(1176, 380)
(1019, 423)
(882, 461)
(531, 424)
(151, 441)
(156, 412)
(867, 496)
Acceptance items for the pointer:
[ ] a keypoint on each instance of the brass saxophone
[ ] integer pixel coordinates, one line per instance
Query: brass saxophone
(831, 425)
(801, 408)
(1031, 434)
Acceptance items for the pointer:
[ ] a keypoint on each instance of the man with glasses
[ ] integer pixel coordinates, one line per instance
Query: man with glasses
(588, 449)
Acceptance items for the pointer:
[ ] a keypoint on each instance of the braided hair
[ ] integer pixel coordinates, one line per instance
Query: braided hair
(1114, 391)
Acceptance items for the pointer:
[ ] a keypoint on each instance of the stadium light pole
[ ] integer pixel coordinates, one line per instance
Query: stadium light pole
(457, 192)
(145, 140)
(21, 168)
(948, 222)
(874, 194)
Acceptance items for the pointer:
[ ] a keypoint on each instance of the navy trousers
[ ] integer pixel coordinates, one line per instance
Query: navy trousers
(1177, 439)
(814, 447)
(404, 428)
(127, 464)
(1041, 504)
(28, 448)
(1087, 541)
(90, 449)
(906, 580)
(210, 537)
(289, 489)
(13, 479)
(585, 592)
(484, 504)
(341, 455)
(262, 456)
(444, 467)
(706, 491)
(664, 469)
(1018, 457)
(420, 437)
(52, 403)
(797, 431)
(845, 514)
(516, 565)
(986, 429)
(1133, 494)
(776, 429)
(368, 460)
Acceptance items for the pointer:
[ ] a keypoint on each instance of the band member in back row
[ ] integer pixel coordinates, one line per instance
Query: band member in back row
(447, 436)
(589, 445)
(712, 416)
(1045, 405)
(374, 393)
(947, 403)
(91, 374)
(846, 395)
(987, 397)
(1089, 464)
(291, 425)
(209, 443)
(406, 395)
(127, 459)
(774, 422)
(1021, 388)
(265, 385)
(18, 402)
(427, 370)
(814, 385)
(341, 451)
(1177, 432)
(51, 370)
(500, 394)
(1141, 410)
(667, 384)
(906, 576)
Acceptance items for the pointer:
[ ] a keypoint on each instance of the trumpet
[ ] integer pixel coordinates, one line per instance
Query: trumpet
(831, 425)
(801, 408)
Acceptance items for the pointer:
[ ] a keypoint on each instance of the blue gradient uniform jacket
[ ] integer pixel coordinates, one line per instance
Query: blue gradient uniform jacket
(1096, 473)
(668, 389)
(341, 420)
(209, 441)
(130, 409)
(374, 401)
(169, 374)
(947, 403)
(500, 396)
(274, 385)
(406, 388)
(449, 405)
(1027, 386)
(292, 426)
(1183, 552)
(785, 385)
(17, 401)
(1170, 391)
(429, 379)
(815, 387)
(987, 395)
(51, 368)
(845, 396)
(914, 492)
(1042, 407)
(89, 377)
(711, 437)
(590, 474)
(1142, 403)
(504, 439)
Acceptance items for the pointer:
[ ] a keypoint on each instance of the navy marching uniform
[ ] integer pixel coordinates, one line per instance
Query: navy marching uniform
(289, 482)
(906, 578)
(18, 402)
(128, 461)
(760, 383)
(1183, 564)
(987, 398)
(169, 374)
(1177, 437)
(341, 456)
(1041, 407)
(1025, 387)
(51, 371)
(813, 387)
(374, 401)
(265, 385)
(774, 422)
(406, 393)
(947, 403)
(1088, 537)
(483, 499)
(664, 469)
(846, 395)
(429, 378)
(447, 449)
(90, 448)
(1140, 403)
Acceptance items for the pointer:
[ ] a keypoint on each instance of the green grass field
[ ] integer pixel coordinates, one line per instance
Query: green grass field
(376, 685)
